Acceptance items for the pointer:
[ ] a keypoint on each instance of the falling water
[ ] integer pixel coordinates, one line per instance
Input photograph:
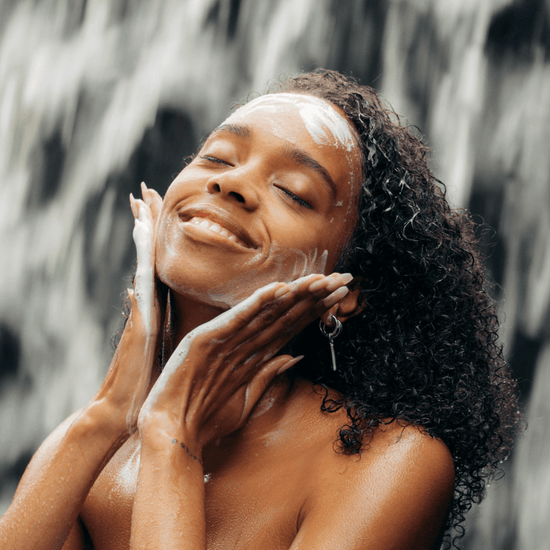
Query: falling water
(96, 96)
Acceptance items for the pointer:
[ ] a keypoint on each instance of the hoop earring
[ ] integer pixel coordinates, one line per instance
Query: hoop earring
(331, 336)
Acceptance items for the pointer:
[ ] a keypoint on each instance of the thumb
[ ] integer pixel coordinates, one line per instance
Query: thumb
(153, 200)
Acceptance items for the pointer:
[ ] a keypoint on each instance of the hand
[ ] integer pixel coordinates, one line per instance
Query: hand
(143, 297)
(219, 370)
(128, 380)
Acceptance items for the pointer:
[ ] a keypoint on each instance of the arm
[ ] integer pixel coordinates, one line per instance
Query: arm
(53, 489)
(207, 390)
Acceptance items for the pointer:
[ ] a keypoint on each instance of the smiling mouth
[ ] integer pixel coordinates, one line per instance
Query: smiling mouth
(215, 227)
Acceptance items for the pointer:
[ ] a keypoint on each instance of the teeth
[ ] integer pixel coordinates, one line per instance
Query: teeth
(217, 228)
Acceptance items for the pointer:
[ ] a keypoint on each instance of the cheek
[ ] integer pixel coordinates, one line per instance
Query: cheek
(281, 265)
(338, 231)
(185, 182)
(165, 253)
(293, 263)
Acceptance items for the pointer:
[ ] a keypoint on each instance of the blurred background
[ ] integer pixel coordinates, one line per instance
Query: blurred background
(98, 95)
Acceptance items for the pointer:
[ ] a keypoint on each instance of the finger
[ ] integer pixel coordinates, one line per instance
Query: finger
(318, 285)
(334, 298)
(300, 284)
(144, 190)
(155, 204)
(243, 320)
(143, 228)
(134, 206)
(152, 199)
(265, 343)
(142, 239)
(291, 303)
(230, 322)
(145, 215)
(332, 282)
(257, 386)
(144, 278)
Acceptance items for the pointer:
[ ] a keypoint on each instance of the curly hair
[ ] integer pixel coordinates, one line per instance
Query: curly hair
(424, 349)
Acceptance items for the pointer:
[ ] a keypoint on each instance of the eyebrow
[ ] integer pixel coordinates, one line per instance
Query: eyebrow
(299, 156)
(236, 129)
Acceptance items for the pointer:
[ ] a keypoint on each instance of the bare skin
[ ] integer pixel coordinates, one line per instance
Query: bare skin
(130, 466)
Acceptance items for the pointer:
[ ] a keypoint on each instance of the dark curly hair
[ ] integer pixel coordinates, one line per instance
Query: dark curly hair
(424, 350)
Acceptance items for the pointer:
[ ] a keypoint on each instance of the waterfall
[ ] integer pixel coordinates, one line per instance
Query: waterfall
(98, 95)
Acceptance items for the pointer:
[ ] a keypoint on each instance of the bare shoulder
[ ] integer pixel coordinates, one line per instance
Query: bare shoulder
(398, 459)
(45, 451)
(397, 446)
(395, 494)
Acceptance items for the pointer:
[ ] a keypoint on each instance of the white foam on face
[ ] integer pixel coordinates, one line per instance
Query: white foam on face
(325, 125)
(287, 266)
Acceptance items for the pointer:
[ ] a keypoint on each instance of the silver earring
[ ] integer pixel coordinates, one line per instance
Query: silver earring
(331, 336)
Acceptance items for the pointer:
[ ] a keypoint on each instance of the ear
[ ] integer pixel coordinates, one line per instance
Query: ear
(346, 308)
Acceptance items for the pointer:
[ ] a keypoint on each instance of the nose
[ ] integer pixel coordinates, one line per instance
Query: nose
(234, 186)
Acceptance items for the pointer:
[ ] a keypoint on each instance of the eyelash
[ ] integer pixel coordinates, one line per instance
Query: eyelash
(214, 159)
(294, 197)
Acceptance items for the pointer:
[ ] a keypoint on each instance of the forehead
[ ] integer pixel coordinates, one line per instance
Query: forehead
(325, 125)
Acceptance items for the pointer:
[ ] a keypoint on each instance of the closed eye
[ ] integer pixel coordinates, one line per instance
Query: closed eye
(214, 159)
(296, 198)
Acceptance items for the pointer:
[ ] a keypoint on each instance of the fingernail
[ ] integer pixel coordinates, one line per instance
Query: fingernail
(346, 277)
(289, 364)
(335, 297)
(339, 281)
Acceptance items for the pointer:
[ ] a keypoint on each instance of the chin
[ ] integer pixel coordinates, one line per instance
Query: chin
(223, 284)
(222, 295)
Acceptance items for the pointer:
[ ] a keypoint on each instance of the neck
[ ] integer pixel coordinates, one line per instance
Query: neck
(190, 313)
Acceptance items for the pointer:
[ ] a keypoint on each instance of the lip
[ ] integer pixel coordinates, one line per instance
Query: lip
(222, 218)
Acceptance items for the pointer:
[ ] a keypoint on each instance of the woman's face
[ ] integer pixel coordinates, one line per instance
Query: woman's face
(271, 196)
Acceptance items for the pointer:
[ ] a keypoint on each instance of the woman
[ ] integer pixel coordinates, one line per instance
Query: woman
(227, 418)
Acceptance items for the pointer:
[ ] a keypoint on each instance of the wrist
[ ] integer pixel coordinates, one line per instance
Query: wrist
(137, 332)
(170, 442)
(144, 326)
(177, 451)
(101, 419)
